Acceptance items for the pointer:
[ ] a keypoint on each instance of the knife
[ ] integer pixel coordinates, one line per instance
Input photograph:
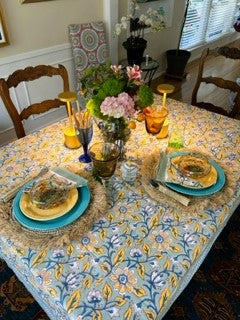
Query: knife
(172, 194)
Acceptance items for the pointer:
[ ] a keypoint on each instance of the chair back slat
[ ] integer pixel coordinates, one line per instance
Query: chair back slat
(26, 75)
(218, 81)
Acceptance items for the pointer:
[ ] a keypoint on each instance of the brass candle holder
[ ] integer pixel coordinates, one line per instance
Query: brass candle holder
(71, 140)
(164, 88)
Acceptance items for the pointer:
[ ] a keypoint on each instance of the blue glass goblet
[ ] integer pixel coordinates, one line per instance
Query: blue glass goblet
(85, 136)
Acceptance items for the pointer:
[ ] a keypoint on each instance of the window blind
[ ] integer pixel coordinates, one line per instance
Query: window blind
(206, 21)
(221, 18)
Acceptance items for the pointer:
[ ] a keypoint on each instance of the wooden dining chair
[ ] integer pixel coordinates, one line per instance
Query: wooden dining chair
(25, 75)
(218, 81)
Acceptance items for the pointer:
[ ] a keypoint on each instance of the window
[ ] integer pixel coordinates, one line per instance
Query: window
(207, 20)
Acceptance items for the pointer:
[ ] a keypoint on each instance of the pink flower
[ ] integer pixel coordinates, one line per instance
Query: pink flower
(134, 73)
(116, 68)
(117, 107)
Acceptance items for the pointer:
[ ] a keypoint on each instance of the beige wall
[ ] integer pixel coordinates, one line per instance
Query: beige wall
(44, 24)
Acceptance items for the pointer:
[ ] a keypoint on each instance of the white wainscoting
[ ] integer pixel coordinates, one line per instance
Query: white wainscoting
(26, 93)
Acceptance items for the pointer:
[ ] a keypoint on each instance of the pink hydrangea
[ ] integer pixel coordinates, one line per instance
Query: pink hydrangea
(121, 106)
(134, 73)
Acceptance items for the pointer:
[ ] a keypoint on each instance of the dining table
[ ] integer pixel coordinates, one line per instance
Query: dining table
(139, 254)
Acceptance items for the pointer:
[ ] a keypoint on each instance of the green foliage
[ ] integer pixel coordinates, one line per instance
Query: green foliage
(93, 105)
(144, 96)
(110, 88)
(94, 77)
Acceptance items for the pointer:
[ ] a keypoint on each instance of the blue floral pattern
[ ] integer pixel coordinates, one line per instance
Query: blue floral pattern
(135, 260)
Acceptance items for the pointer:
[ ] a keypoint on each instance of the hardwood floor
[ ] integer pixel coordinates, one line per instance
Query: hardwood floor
(216, 66)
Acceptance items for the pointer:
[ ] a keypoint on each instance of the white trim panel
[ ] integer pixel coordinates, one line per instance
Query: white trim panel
(61, 54)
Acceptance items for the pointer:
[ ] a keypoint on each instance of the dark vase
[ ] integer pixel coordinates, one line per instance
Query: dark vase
(135, 47)
(177, 61)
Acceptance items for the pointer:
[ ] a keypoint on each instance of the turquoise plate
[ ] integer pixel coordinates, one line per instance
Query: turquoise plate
(199, 192)
(71, 216)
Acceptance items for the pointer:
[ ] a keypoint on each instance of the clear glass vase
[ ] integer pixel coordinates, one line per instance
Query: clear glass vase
(116, 131)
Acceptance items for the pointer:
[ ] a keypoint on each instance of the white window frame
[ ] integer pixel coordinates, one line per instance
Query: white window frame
(202, 37)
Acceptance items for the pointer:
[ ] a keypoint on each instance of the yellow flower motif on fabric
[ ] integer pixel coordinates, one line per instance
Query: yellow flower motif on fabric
(87, 243)
(124, 280)
(160, 240)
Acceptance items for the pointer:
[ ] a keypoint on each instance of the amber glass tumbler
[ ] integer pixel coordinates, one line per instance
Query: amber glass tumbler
(154, 119)
(104, 157)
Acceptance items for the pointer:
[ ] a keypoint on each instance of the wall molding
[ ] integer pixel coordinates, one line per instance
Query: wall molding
(34, 54)
(60, 54)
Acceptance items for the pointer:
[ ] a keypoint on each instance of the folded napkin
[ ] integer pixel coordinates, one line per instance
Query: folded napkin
(161, 178)
(78, 180)
(72, 178)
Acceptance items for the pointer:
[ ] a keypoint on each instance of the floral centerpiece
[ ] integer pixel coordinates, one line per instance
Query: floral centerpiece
(116, 95)
(135, 43)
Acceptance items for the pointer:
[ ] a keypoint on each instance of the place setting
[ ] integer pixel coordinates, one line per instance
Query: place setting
(187, 177)
(59, 206)
(52, 201)
(190, 173)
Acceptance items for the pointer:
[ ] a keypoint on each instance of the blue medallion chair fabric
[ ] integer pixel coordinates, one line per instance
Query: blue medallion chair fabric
(88, 46)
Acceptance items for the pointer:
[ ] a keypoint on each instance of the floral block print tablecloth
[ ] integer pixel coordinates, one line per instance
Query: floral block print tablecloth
(138, 258)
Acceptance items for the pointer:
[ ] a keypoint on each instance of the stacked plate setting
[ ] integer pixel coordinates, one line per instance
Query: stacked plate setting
(55, 211)
(191, 173)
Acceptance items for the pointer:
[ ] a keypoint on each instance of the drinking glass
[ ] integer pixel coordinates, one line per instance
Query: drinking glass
(176, 138)
(85, 136)
(104, 156)
(154, 119)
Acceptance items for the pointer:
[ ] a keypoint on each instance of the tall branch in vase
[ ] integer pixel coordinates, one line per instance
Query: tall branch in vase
(182, 26)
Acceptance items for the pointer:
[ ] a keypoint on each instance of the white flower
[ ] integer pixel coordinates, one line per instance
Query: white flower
(124, 22)
(153, 19)
(142, 18)
(148, 22)
(113, 311)
(150, 11)
(118, 29)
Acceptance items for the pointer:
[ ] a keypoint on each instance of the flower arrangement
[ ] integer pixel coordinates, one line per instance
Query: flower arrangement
(115, 94)
(135, 44)
(154, 19)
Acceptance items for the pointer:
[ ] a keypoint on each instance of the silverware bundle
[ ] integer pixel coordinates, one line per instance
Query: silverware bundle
(172, 194)
(161, 186)
(13, 191)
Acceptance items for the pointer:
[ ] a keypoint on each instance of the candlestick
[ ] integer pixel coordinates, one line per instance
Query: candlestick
(147, 59)
(71, 140)
(68, 97)
(165, 89)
